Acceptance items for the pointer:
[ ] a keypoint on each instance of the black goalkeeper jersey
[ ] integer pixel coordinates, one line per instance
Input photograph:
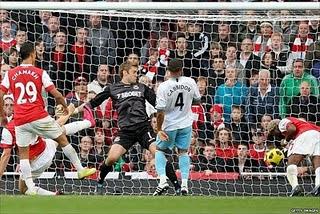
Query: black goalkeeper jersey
(129, 101)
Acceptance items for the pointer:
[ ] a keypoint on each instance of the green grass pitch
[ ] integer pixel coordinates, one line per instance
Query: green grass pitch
(154, 205)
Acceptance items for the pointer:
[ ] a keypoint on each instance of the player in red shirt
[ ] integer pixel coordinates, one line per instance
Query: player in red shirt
(25, 82)
(41, 151)
(305, 140)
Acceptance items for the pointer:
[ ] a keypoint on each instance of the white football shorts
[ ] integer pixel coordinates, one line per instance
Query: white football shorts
(46, 127)
(308, 143)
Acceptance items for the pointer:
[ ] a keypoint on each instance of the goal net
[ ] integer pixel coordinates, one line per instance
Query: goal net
(82, 45)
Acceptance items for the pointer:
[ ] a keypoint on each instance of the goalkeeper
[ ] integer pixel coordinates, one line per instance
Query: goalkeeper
(305, 138)
(129, 98)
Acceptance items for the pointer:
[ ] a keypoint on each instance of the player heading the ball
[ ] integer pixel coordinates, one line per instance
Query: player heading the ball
(305, 140)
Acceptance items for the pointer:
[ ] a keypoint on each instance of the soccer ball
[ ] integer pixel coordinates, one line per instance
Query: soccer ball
(274, 157)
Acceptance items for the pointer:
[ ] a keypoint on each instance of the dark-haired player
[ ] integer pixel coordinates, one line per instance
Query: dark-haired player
(175, 97)
(25, 82)
(129, 98)
(305, 140)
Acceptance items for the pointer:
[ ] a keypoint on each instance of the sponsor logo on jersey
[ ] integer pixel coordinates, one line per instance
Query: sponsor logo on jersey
(129, 94)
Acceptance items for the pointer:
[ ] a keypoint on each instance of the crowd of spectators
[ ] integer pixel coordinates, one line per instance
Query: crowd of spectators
(247, 72)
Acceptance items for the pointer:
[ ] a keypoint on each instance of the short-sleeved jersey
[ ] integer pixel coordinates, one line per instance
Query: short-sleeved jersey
(175, 97)
(129, 101)
(301, 126)
(25, 82)
(8, 140)
(5, 138)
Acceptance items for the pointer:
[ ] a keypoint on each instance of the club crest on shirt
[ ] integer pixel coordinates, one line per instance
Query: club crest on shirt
(135, 87)
(117, 139)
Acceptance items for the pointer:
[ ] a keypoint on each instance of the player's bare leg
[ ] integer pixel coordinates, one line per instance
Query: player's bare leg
(26, 169)
(71, 153)
(71, 129)
(316, 166)
(169, 170)
(116, 151)
(292, 174)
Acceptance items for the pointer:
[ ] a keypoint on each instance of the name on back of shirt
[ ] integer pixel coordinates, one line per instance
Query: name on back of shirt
(129, 94)
(29, 72)
(177, 87)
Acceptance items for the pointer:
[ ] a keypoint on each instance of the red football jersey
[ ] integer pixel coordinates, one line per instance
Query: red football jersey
(198, 110)
(256, 154)
(301, 126)
(226, 153)
(26, 83)
(35, 148)
(7, 45)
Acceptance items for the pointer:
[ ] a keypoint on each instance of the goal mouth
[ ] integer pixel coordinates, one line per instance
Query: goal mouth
(137, 28)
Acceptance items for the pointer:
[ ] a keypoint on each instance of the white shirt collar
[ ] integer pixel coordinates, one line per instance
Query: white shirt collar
(268, 89)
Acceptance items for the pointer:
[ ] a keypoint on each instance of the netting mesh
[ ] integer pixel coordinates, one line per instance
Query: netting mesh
(243, 63)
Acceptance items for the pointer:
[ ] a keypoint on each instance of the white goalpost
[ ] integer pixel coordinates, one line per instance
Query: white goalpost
(160, 5)
(138, 27)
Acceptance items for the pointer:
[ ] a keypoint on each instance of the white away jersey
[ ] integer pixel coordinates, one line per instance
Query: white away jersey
(175, 97)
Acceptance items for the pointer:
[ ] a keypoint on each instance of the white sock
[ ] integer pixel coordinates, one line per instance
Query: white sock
(26, 174)
(163, 179)
(74, 127)
(41, 191)
(292, 175)
(184, 183)
(317, 172)
(73, 156)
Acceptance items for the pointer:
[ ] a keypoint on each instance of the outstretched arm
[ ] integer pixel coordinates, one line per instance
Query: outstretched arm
(95, 102)
(50, 88)
(150, 96)
(59, 99)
